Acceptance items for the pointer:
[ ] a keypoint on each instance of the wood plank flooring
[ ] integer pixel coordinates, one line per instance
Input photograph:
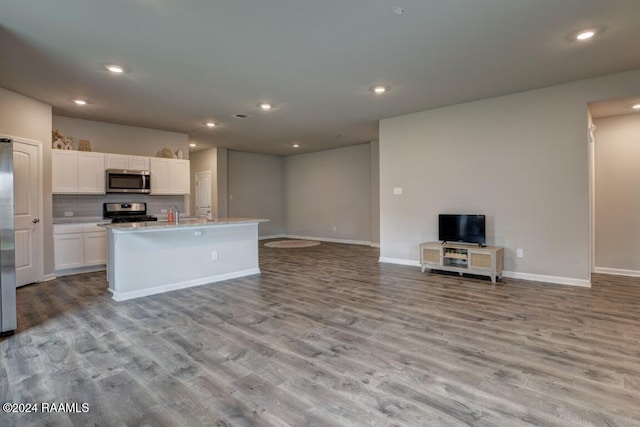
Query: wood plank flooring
(328, 336)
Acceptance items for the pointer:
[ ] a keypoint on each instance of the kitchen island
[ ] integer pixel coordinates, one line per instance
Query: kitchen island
(147, 258)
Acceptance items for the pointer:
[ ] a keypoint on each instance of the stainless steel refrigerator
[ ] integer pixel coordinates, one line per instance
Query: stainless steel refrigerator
(8, 320)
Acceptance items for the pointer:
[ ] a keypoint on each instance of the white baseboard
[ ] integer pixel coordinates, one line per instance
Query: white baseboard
(511, 274)
(375, 245)
(570, 281)
(48, 277)
(399, 261)
(617, 271)
(328, 239)
(122, 296)
(275, 236)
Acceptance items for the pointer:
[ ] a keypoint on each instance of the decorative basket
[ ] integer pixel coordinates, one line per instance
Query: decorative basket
(167, 153)
(84, 145)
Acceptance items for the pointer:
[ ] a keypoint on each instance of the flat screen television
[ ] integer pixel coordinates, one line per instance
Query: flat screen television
(462, 228)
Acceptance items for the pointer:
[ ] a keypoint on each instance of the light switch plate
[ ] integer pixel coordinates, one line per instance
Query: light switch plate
(397, 191)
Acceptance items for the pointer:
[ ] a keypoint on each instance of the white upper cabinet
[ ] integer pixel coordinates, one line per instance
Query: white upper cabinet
(179, 172)
(139, 163)
(91, 176)
(122, 161)
(64, 169)
(117, 161)
(160, 176)
(83, 172)
(169, 176)
(77, 172)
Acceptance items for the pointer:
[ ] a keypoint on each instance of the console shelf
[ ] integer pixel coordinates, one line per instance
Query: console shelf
(485, 261)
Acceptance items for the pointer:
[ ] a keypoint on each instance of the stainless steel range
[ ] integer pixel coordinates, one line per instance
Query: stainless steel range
(126, 212)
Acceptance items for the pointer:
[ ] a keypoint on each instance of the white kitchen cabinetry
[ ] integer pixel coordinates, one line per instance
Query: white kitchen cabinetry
(77, 172)
(64, 168)
(122, 161)
(69, 250)
(139, 163)
(79, 248)
(169, 176)
(91, 177)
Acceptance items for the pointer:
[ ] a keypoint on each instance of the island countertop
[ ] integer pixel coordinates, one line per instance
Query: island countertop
(187, 223)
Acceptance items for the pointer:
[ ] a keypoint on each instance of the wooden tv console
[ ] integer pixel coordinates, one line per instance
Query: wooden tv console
(485, 261)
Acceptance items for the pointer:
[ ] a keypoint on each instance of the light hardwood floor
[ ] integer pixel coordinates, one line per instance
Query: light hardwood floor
(328, 336)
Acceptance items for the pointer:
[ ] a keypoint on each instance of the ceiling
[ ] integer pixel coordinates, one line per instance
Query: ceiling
(190, 61)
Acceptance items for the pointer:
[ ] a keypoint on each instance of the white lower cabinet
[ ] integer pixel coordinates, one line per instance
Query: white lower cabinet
(79, 248)
(95, 248)
(69, 250)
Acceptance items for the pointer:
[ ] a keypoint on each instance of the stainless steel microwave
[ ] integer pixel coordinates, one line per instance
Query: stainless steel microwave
(128, 181)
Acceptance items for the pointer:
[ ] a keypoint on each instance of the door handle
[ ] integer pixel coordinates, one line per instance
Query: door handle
(35, 220)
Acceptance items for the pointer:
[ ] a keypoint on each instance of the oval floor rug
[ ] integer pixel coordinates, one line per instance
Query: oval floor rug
(292, 244)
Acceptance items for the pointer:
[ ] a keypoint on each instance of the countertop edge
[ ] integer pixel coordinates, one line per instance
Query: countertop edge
(165, 226)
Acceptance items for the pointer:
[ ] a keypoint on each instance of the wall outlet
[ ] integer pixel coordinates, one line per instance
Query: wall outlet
(163, 211)
(335, 228)
(68, 214)
(519, 252)
(214, 256)
(397, 191)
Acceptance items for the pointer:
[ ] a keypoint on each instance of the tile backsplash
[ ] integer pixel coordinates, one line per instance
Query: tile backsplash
(91, 206)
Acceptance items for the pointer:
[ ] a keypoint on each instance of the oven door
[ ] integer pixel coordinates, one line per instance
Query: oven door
(128, 181)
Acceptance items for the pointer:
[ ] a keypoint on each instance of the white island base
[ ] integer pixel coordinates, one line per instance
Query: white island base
(151, 258)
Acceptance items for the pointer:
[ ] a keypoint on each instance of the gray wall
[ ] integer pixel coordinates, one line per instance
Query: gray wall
(223, 183)
(617, 193)
(112, 138)
(520, 159)
(30, 119)
(255, 189)
(374, 148)
(328, 194)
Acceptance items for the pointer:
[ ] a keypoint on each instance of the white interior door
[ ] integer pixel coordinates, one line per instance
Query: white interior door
(203, 193)
(28, 228)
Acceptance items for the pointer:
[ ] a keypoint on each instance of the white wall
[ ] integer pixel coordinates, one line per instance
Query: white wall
(330, 189)
(520, 159)
(27, 118)
(112, 138)
(256, 190)
(617, 193)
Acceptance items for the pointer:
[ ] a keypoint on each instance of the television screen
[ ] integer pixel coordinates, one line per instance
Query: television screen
(462, 228)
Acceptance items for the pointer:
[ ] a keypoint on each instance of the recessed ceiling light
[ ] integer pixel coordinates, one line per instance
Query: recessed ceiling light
(296, 145)
(80, 101)
(636, 107)
(193, 144)
(398, 10)
(210, 124)
(265, 106)
(116, 69)
(585, 35)
(379, 89)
